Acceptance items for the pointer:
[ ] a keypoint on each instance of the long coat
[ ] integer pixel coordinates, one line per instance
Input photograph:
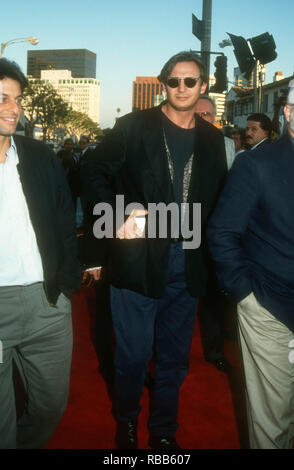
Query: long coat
(132, 161)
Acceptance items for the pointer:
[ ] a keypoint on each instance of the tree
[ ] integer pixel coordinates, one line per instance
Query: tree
(78, 123)
(44, 106)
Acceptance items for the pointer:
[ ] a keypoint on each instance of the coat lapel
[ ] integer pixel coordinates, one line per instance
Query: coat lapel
(203, 163)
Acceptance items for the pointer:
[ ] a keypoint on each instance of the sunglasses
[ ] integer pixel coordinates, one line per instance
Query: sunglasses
(174, 82)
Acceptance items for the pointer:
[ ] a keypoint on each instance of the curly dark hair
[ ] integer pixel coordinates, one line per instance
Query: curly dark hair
(9, 69)
(264, 121)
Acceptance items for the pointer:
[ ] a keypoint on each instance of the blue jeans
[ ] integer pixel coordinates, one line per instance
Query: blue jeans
(144, 326)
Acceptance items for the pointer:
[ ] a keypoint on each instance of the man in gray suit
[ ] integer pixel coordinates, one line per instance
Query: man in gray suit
(39, 272)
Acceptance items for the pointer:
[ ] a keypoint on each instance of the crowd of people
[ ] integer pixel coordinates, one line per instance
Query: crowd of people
(151, 275)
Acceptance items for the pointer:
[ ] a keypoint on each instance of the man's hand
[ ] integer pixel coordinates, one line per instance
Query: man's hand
(94, 273)
(130, 230)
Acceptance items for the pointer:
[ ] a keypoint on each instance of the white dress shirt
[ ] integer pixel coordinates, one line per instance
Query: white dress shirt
(256, 145)
(20, 260)
(230, 151)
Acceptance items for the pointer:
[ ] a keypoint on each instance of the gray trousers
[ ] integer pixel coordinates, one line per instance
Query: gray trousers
(39, 338)
(269, 376)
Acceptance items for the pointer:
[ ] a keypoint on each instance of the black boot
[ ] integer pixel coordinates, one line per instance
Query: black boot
(157, 442)
(126, 435)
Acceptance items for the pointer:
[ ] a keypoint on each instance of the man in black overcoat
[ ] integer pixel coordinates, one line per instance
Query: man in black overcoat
(169, 158)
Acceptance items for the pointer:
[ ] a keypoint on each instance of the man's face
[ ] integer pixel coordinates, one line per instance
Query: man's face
(83, 143)
(68, 145)
(254, 133)
(183, 98)
(205, 110)
(289, 116)
(10, 106)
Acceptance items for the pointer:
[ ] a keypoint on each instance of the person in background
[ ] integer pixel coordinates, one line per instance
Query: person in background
(206, 109)
(81, 202)
(258, 130)
(251, 238)
(239, 138)
(214, 306)
(66, 156)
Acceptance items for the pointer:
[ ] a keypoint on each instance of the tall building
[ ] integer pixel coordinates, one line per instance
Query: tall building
(220, 105)
(144, 91)
(278, 76)
(242, 82)
(81, 93)
(81, 62)
(212, 81)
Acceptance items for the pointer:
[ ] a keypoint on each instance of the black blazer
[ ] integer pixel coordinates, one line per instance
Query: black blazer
(134, 156)
(52, 215)
(251, 233)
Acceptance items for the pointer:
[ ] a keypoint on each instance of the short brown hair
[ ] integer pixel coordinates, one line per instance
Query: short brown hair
(184, 56)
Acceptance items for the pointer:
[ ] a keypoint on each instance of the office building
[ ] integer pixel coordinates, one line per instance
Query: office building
(82, 94)
(220, 106)
(81, 62)
(242, 82)
(144, 91)
(240, 101)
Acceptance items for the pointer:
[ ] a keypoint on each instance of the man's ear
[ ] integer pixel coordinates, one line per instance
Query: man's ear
(287, 112)
(203, 88)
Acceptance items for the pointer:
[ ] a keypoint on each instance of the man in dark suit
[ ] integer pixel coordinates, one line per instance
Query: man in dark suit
(66, 156)
(214, 305)
(39, 272)
(251, 238)
(164, 155)
(258, 130)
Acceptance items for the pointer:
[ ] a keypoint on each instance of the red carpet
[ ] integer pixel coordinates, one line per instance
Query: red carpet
(212, 412)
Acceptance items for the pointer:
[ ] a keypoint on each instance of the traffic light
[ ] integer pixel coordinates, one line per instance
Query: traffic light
(220, 74)
(243, 55)
(263, 47)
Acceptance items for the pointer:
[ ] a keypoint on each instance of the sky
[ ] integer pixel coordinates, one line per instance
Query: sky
(136, 37)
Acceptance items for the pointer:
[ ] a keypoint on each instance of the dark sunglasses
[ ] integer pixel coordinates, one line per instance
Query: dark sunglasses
(174, 82)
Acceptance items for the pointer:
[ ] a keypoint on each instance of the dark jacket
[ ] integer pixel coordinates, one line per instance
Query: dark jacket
(133, 154)
(251, 233)
(71, 169)
(51, 211)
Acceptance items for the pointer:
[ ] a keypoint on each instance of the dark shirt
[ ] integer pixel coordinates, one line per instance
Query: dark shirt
(181, 143)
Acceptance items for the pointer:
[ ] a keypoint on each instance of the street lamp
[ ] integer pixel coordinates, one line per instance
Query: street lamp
(225, 43)
(31, 39)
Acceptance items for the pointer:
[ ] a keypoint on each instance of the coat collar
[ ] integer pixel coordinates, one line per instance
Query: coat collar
(18, 140)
